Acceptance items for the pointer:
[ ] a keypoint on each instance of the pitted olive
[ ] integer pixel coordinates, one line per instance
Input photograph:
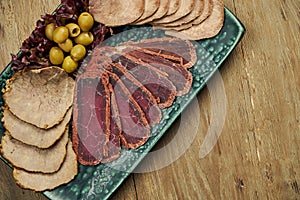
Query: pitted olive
(85, 21)
(74, 29)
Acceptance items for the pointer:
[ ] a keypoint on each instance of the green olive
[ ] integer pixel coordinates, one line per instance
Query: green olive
(78, 52)
(49, 31)
(67, 45)
(85, 38)
(85, 21)
(60, 34)
(69, 65)
(56, 56)
(74, 29)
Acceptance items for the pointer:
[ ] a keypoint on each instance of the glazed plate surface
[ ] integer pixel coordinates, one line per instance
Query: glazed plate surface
(99, 182)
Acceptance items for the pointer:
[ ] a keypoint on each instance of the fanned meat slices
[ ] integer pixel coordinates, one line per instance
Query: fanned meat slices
(119, 93)
(135, 127)
(176, 50)
(140, 94)
(178, 75)
(159, 85)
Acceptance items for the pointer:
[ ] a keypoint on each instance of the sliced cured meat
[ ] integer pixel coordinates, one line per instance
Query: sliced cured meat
(135, 127)
(113, 146)
(116, 12)
(179, 76)
(47, 181)
(34, 159)
(32, 135)
(185, 7)
(140, 94)
(131, 82)
(212, 26)
(30, 94)
(176, 50)
(91, 119)
(159, 85)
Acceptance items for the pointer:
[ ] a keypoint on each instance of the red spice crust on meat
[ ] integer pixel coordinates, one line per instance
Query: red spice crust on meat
(113, 105)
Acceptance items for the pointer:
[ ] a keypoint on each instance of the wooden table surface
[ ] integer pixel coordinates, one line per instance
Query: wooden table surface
(258, 153)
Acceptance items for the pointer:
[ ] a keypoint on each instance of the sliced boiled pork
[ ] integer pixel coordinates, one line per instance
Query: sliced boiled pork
(29, 94)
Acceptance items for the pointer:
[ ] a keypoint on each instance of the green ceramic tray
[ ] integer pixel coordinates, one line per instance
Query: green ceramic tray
(99, 182)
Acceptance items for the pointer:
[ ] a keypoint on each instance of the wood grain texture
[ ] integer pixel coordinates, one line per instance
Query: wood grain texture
(258, 153)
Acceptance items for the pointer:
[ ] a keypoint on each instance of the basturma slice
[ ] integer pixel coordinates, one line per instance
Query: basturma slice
(178, 75)
(140, 94)
(159, 85)
(91, 119)
(135, 127)
(113, 146)
(176, 50)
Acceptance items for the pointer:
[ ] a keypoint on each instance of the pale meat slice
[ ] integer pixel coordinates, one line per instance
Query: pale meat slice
(207, 9)
(208, 28)
(42, 181)
(151, 7)
(173, 6)
(31, 158)
(185, 7)
(32, 135)
(116, 12)
(40, 97)
(198, 8)
(161, 11)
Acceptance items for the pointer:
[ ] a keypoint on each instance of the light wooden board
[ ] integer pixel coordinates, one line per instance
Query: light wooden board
(258, 153)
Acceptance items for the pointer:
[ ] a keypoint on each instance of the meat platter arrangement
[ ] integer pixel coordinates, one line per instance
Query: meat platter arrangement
(73, 102)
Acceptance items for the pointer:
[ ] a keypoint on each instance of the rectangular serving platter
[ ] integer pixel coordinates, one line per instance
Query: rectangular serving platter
(99, 182)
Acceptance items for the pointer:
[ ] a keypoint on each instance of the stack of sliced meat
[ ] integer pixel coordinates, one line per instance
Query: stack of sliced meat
(38, 109)
(189, 19)
(120, 91)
